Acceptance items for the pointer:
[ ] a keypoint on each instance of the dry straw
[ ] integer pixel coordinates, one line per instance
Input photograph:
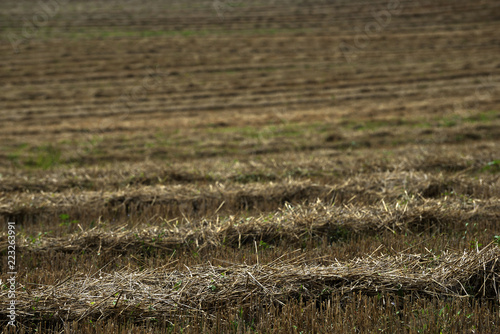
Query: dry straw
(195, 200)
(205, 289)
(290, 223)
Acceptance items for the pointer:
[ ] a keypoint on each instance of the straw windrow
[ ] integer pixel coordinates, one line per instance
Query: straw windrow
(290, 224)
(198, 201)
(160, 292)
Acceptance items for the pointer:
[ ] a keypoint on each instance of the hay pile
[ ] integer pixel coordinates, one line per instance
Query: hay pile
(201, 290)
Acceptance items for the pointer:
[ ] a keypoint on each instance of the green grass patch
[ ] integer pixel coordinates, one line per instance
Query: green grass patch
(287, 130)
(492, 167)
(454, 120)
(44, 157)
(373, 124)
(483, 117)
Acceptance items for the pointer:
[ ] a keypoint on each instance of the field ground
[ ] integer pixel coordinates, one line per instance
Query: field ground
(280, 167)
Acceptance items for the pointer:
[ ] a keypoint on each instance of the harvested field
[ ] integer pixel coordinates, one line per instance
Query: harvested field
(237, 167)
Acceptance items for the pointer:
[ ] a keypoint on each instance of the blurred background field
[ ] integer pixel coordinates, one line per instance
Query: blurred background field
(251, 167)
